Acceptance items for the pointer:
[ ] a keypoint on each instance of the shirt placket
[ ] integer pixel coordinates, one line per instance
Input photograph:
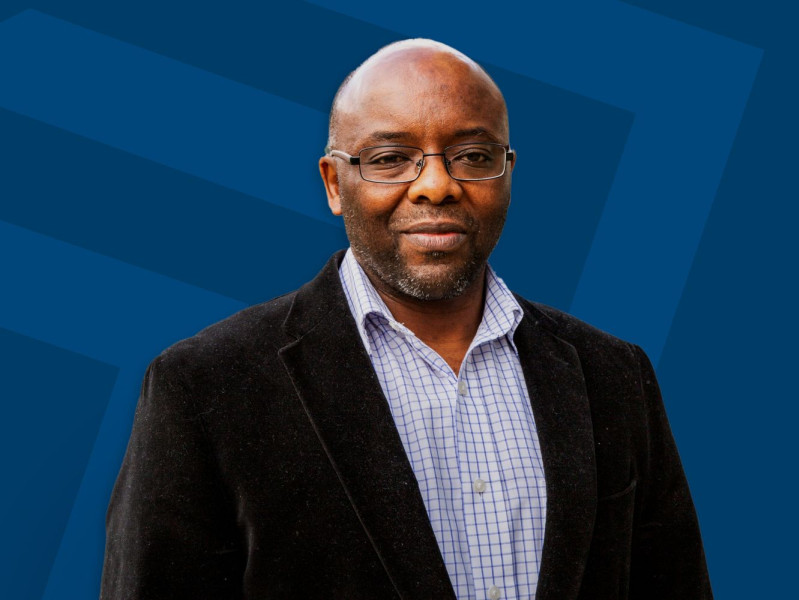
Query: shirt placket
(484, 502)
(459, 570)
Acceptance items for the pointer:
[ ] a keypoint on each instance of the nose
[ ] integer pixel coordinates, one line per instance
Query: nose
(434, 183)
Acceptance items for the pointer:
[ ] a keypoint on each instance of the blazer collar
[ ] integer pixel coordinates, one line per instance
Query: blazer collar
(342, 397)
(562, 415)
(341, 394)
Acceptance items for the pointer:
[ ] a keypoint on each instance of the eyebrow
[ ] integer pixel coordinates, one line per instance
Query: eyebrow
(388, 136)
(474, 132)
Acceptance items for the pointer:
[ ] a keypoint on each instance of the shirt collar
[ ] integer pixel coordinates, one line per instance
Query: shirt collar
(501, 313)
(362, 296)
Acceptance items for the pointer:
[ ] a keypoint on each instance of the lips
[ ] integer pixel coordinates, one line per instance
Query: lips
(435, 236)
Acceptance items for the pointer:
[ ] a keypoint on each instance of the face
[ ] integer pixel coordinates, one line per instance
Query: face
(428, 239)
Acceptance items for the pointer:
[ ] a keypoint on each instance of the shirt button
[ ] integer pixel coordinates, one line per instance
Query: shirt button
(479, 487)
(462, 388)
(494, 593)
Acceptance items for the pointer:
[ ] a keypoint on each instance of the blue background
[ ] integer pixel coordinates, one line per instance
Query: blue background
(158, 172)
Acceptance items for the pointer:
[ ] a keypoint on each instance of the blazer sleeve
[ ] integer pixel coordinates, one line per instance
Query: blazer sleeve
(170, 530)
(667, 560)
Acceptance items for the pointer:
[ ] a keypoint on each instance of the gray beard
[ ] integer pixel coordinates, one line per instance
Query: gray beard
(393, 275)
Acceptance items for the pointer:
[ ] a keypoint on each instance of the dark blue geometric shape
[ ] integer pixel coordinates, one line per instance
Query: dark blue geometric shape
(568, 149)
(53, 401)
(163, 110)
(283, 50)
(731, 353)
(155, 217)
(94, 306)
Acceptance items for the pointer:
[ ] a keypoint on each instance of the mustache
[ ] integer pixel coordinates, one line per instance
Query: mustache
(461, 219)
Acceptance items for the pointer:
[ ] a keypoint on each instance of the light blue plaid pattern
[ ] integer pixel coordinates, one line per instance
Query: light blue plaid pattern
(471, 439)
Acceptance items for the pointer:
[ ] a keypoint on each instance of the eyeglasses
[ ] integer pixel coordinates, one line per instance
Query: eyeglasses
(473, 161)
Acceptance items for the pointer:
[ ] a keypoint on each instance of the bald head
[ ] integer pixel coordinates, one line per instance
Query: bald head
(402, 63)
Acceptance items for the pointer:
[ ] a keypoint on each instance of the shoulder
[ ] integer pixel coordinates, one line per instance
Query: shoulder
(569, 327)
(591, 343)
(241, 352)
(247, 339)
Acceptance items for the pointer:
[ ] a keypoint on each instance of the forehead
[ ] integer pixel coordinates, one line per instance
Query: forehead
(421, 98)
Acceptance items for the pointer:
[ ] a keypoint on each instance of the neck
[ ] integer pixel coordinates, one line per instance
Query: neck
(447, 326)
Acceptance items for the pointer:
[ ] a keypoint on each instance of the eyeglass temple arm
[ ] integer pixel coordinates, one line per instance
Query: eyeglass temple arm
(353, 160)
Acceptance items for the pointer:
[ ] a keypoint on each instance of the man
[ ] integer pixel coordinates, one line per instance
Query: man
(403, 426)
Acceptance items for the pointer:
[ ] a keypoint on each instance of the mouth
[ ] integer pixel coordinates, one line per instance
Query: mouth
(436, 236)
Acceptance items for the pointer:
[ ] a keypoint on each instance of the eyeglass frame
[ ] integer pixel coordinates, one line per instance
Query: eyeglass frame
(356, 160)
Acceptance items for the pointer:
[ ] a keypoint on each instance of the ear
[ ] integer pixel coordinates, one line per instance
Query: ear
(514, 156)
(328, 171)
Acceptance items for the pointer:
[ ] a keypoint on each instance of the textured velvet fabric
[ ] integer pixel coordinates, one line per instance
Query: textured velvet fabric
(264, 463)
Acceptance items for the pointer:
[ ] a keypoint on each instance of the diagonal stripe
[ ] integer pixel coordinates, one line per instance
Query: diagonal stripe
(93, 305)
(53, 402)
(161, 109)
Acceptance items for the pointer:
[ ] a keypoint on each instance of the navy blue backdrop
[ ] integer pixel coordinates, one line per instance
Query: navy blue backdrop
(154, 156)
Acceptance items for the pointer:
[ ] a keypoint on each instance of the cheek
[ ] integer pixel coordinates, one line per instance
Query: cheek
(367, 214)
(372, 203)
(492, 208)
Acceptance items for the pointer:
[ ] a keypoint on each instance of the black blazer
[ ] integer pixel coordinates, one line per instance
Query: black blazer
(264, 463)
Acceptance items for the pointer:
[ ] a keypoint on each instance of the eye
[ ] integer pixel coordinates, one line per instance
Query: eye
(473, 156)
(388, 159)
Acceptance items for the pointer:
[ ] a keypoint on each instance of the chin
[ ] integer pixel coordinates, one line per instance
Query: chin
(433, 282)
(440, 276)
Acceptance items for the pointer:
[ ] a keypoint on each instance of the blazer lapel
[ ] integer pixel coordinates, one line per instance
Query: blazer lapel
(339, 391)
(560, 405)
